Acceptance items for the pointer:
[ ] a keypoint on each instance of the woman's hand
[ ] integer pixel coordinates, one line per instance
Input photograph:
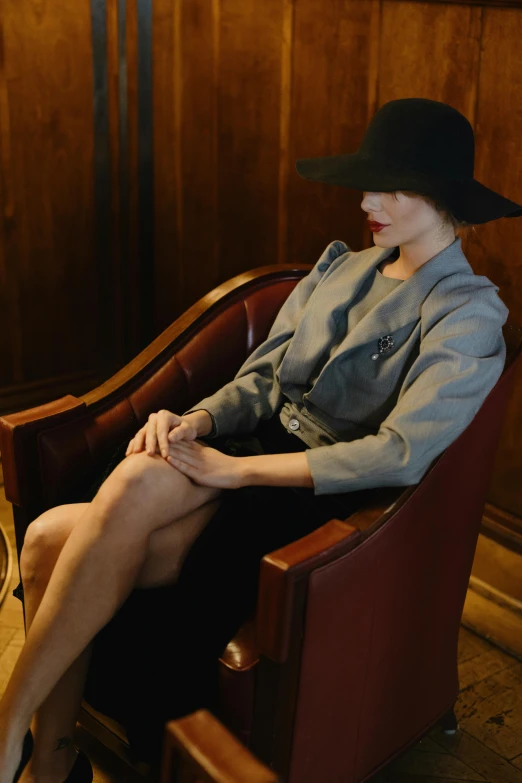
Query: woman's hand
(205, 465)
(154, 435)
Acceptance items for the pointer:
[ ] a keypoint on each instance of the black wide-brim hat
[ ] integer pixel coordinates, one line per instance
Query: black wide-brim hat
(419, 145)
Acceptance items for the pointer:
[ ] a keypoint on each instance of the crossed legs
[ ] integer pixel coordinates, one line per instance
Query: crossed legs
(79, 564)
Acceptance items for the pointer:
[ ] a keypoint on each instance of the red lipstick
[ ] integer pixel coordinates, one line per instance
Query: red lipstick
(376, 227)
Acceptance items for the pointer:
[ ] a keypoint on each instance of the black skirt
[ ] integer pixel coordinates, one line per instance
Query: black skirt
(157, 659)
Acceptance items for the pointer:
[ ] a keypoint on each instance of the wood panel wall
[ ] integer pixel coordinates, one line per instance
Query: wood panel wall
(46, 192)
(71, 290)
(147, 153)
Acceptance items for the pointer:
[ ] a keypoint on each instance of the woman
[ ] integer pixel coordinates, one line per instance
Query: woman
(374, 364)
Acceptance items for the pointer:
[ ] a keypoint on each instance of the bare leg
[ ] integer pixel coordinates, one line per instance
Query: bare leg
(54, 723)
(99, 565)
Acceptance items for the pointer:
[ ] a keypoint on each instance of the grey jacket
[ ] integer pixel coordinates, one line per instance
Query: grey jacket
(373, 422)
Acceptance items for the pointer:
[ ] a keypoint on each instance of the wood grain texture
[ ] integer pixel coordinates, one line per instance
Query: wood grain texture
(331, 63)
(248, 132)
(430, 51)
(48, 241)
(113, 291)
(217, 84)
(497, 617)
(10, 349)
(133, 326)
(499, 567)
(287, 36)
(168, 266)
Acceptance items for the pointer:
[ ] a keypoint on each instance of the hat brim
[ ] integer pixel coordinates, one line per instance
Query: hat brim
(476, 203)
(469, 200)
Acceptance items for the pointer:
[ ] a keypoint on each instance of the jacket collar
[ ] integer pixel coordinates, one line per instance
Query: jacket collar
(398, 308)
(403, 303)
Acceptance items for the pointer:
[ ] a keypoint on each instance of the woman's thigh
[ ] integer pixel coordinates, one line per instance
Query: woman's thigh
(168, 547)
(159, 497)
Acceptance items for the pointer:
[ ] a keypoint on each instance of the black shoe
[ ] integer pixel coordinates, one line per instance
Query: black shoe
(81, 771)
(27, 752)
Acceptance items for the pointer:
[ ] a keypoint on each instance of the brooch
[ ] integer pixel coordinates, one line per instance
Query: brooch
(384, 344)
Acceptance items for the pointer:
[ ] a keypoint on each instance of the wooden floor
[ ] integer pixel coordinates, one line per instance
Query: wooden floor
(487, 746)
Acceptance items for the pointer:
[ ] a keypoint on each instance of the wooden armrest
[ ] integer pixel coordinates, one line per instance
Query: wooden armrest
(199, 749)
(241, 653)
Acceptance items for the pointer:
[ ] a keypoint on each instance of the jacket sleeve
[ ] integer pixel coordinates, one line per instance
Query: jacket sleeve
(254, 393)
(461, 356)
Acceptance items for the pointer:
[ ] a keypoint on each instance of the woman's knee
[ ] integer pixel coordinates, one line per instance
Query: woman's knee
(44, 540)
(136, 471)
(148, 493)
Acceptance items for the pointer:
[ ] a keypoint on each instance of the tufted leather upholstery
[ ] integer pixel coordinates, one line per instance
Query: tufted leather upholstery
(352, 654)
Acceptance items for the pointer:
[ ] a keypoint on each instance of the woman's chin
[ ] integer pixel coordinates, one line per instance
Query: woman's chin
(381, 241)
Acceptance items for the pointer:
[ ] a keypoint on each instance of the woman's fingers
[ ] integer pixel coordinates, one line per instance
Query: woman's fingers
(151, 435)
(154, 435)
(183, 433)
(165, 421)
(135, 442)
(176, 435)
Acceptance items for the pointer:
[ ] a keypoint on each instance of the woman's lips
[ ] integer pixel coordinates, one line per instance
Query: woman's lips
(377, 226)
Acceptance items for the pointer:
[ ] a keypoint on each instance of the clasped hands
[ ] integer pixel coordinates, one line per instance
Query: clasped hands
(174, 438)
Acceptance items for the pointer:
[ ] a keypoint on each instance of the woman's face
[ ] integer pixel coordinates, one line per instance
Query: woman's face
(408, 217)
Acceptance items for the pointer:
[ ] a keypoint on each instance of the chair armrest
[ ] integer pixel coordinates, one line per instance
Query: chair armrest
(18, 436)
(284, 572)
(241, 653)
(199, 749)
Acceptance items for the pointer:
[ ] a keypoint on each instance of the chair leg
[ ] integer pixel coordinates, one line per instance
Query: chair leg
(448, 722)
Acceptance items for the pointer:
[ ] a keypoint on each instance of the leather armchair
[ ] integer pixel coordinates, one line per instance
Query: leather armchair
(352, 654)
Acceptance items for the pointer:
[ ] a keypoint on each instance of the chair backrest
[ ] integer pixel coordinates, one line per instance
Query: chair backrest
(51, 453)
